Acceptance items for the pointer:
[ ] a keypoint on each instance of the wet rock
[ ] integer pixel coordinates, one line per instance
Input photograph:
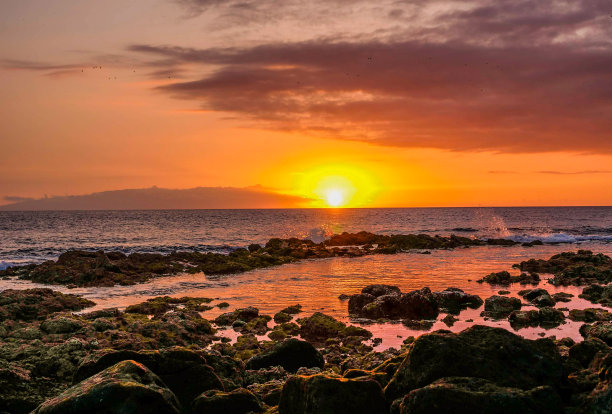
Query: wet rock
(454, 300)
(344, 296)
(245, 315)
(601, 330)
(503, 292)
(291, 354)
(163, 304)
(493, 354)
(282, 317)
(474, 395)
(590, 315)
(293, 309)
(449, 320)
(538, 297)
(185, 372)
(324, 394)
(416, 305)
(573, 268)
(380, 290)
(319, 327)
(598, 294)
(505, 278)
(127, 387)
(501, 306)
(239, 401)
(37, 304)
(562, 297)
(545, 317)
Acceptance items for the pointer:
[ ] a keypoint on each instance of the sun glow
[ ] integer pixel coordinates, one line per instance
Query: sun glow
(334, 198)
(337, 185)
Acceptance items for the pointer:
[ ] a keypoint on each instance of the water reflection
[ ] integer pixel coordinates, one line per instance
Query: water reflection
(316, 285)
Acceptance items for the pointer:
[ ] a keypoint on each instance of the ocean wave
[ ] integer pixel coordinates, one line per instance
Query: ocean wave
(560, 238)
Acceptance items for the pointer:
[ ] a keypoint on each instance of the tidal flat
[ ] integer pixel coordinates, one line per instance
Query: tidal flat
(419, 330)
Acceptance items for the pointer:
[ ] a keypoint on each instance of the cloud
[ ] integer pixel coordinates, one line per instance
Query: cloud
(16, 199)
(162, 198)
(450, 95)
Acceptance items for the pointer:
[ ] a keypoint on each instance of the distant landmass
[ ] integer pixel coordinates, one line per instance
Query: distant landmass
(155, 198)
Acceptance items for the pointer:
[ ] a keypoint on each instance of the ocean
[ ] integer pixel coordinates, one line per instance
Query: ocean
(33, 237)
(30, 237)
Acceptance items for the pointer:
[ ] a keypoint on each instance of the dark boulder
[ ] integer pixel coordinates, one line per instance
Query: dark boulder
(36, 304)
(290, 354)
(601, 330)
(501, 306)
(356, 303)
(462, 395)
(127, 387)
(598, 294)
(538, 297)
(380, 290)
(320, 394)
(319, 327)
(454, 300)
(585, 351)
(590, 315)
(483, 352)
(185, 372)
(239, 401)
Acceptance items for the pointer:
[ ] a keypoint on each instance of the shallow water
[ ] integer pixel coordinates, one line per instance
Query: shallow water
(316, 285)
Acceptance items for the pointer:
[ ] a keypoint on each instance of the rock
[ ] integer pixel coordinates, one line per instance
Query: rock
(61, 325)
(545, 317)
(282, 317)
(601, 330)
(474, 395)
(293, 310)
(416, 305)
(36, 304)
(505, 278)
(449, 320)
(319, 327)
(503, 292)
(244, 315)
(484, 352)
(585, 351)
(455, 300)
(356, 303)
(501, 306)
(562, 297)
(538, 297)
(268, 392)
(185, 372)
(239, 401)
(344, 296)
(573, 268)
(163, 304)
(590, 315)
(291, 354)
(127, 387)
(319, 394)
(598, 294)
(380, 290)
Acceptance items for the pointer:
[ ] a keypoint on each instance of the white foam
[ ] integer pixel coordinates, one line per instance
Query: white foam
(559, 238)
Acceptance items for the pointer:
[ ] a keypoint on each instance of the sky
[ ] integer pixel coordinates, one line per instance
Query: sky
(325, 103)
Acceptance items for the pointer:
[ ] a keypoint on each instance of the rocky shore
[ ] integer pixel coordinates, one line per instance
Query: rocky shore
(78, 268)
(165, 355)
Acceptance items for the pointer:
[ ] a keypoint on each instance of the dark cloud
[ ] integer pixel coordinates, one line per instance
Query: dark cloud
(16, 199)
(448, 95)
(161, 198)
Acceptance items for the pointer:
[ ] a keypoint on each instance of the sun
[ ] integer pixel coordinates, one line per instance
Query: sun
(334, 197)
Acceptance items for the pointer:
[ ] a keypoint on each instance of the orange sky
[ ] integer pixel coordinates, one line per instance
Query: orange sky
(507, 103)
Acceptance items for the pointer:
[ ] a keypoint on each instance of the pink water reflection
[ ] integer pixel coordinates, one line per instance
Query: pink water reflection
(316, 285)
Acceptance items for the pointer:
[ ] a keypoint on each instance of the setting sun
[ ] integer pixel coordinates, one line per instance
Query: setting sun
(335, 198)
